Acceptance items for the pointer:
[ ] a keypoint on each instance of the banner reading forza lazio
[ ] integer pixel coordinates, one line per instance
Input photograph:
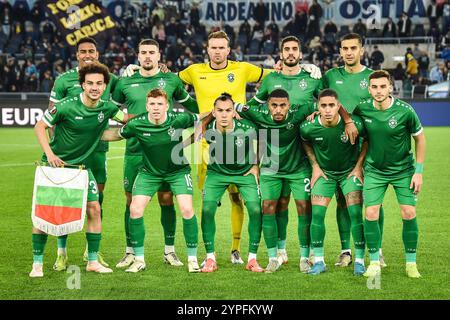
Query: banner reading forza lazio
(234, 12)
(77, 19)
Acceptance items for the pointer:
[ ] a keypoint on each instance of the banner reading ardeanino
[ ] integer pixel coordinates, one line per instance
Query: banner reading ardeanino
(77, 19)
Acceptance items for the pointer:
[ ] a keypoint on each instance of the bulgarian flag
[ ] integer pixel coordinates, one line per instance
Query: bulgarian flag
(59, 200)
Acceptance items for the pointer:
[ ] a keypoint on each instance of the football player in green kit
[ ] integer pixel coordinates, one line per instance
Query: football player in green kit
(302, 89)
(232, 160)
(351, 83)
(159, 134)
(335, 163)
(390, 123)
(131, 92)
(68, 85)
(80, 122)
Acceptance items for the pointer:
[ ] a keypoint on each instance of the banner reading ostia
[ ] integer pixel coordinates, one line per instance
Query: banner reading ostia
(59, 200)
(77, 19)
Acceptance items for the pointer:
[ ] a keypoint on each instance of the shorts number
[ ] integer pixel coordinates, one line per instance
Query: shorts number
(307, 185)
(188, 179)
(93, 185)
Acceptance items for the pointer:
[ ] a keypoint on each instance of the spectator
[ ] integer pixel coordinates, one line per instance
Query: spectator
(194, 15)
(412, 67)
(399, 76)
(315, 13)
(238, 54)
(446, 17)
(416, 51)
(376, 59)
(330, 27)
(404, 25)
(300, 25)
(360, 28)
(274, 30)
(437, 73)
(446, 53)
(260, 13)
(389, 29)
(6, 19)
(424, 64)
(161, 36)
(47, 82)
(269, 62)
(433, 13)
(246, 29)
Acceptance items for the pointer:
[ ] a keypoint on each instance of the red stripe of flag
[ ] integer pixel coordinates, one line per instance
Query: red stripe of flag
(57, 215)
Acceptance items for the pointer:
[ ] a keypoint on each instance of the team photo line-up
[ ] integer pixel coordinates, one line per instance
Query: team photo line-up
(303, 134)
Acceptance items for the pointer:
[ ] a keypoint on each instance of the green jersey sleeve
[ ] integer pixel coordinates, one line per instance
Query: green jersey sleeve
(58, 91)
(413, 124)
(127, 131)
(186, 120)
(359, 123)
(261, 94)
(117, 93)
(182, 96)
(53, 116)
(246, 112)
(304, 131)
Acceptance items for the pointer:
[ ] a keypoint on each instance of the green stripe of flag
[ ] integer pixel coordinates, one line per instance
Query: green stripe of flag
(63, 197)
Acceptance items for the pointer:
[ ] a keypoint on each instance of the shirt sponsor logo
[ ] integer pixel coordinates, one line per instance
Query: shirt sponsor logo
(202, 78)
(344, 137)
(77, 85)
(135, 85)
(78, 118)
(393, 123)
(303, 84)
(101, 117)
(368, 120)
(146, 134)
(230, 77)
(339, 82)
(319, 139)
(364, 84)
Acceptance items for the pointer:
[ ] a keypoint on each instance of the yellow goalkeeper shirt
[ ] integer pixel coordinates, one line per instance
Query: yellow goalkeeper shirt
(210, 83)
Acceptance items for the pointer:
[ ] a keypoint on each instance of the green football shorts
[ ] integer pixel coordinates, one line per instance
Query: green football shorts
(147, 184)
(327, 188)
(375, 188)
(92, 187)
(216, 184)
(97, 163)
(275, 186)
(131, 166)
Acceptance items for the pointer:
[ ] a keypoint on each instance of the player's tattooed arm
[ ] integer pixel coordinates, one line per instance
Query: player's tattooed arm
(416, 181)
(316, 170)
(358, 169)
(350, 129)
(52, 159)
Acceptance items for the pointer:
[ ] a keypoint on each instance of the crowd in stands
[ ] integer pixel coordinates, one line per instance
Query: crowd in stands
(33, 53)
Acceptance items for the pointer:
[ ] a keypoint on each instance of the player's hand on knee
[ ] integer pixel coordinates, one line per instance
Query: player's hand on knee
(254, 171)
(316, 174)
(357, 172)
(313, 70)
(416, 183)
(130, 70)
(54, 161)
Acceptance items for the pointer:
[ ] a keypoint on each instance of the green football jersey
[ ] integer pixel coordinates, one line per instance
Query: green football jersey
(351, 87)
(335, 154)
(389, 136)
(232, 153)
(302, 88)
(78, 128)
(68, 85)
(161, 145)
(132, 92)
(283, 152)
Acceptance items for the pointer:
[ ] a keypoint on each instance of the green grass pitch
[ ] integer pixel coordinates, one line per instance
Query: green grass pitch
(19, 149)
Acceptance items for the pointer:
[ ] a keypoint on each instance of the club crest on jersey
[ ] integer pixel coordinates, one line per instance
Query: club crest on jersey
(230, 77)
(239, 142)
(344, 137)
(161, 83)
(289, 126)
(171, 132)
(364, 84)
(393, 122)
(303, 84)
(101, 117)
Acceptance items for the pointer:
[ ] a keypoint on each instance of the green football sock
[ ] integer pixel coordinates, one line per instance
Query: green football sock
(270, 232)
(137, 235)
(254, 225)
(93, 240)
(304, 234)
(282, 223)
(169, 224)
(38, 240)
(318, 227)
(381, 224)
(372, 235)
(355, 212)
(410, 238)
(344, 226)
(62, 241)
(190, 231)
(127, 226)
(100, 200)
(209, 224)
